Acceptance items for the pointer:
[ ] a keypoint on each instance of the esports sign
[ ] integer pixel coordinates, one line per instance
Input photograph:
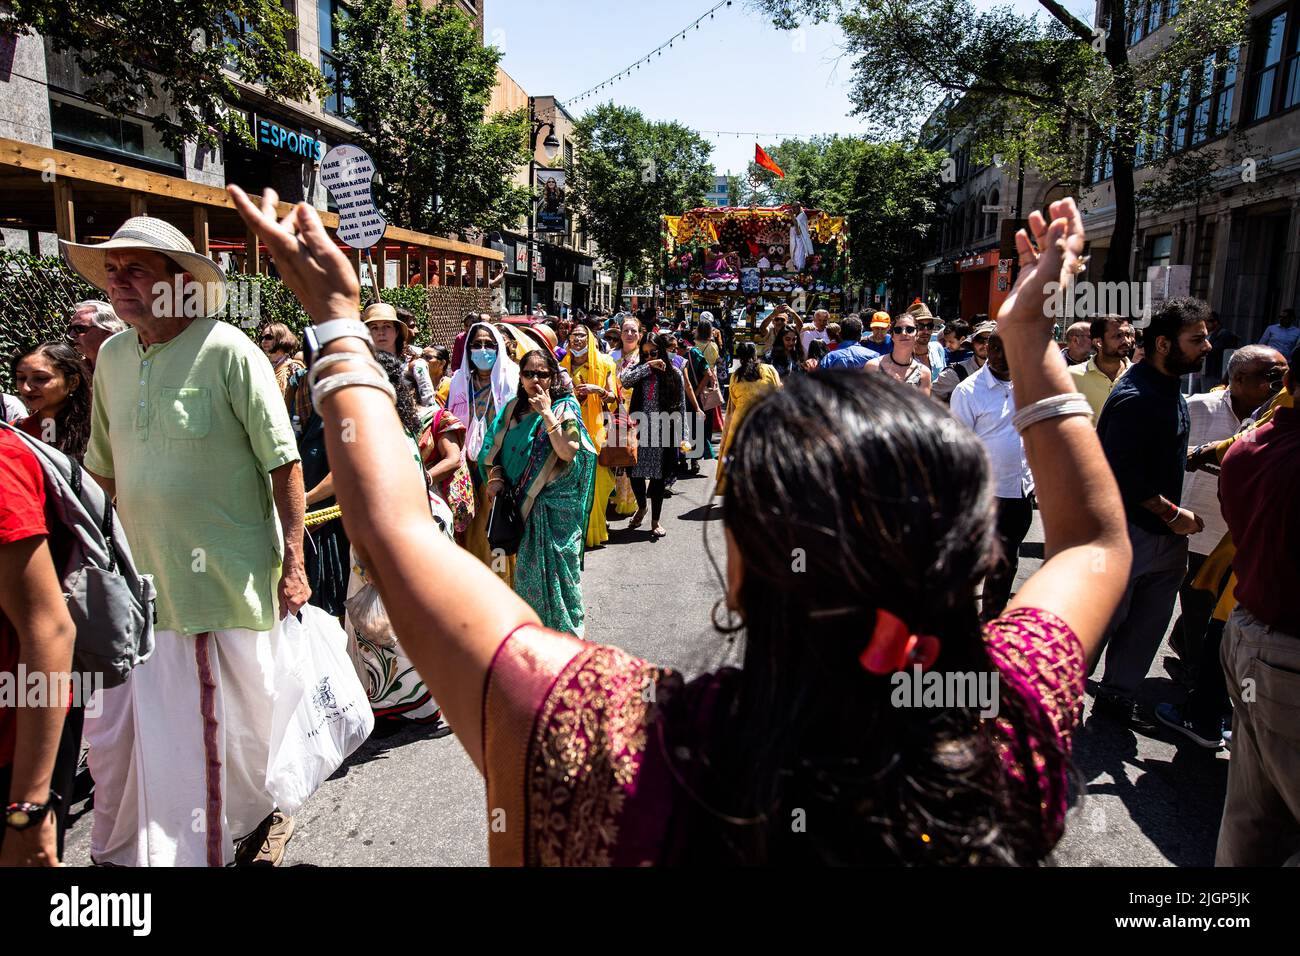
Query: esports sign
(275, 136)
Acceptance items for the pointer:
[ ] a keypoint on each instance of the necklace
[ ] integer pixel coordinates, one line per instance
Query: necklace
(897, 362)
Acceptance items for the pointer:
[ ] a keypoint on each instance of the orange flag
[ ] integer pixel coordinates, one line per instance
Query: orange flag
(766, 161)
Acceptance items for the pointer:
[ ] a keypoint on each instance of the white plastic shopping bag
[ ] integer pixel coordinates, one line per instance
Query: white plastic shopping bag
(321, 712)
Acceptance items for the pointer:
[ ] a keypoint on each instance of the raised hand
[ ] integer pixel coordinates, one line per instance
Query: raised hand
(308, 260)
(1049, 264)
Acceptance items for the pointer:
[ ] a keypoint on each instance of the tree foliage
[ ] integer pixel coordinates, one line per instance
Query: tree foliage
(1046, 87)
(627, 173)
(818, 173)
(420, 84)
(898, 201)
(164, 60)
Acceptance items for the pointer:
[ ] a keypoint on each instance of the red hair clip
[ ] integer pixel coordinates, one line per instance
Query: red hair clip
(894, 648)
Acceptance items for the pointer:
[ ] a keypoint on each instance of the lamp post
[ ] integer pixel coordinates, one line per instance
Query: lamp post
(552, 146)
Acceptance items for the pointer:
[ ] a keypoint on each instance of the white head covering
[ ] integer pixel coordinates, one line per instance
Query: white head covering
(460, 395)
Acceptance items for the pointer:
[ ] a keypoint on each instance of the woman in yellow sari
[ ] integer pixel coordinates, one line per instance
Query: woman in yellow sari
(595, 385)
(754, 380)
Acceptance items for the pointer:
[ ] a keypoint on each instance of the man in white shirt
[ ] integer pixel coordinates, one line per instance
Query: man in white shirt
(984, 403)
(817, 331)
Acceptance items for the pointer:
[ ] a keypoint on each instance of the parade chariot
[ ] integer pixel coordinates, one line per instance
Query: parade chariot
(739, 262)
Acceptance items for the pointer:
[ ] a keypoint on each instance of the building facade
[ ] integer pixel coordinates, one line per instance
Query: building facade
(969, 272)
(718, 195)
(1235, 243)
(567, 273)
(71, 170)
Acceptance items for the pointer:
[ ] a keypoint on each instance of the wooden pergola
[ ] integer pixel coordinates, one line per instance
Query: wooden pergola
(83, 199)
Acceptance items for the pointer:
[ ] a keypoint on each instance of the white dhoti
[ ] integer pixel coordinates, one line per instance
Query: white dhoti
(179, 752)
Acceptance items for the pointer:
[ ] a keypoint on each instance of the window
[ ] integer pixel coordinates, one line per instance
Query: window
(994, 200)
(80, 126)
(568, 153)
(1137, 22)
(1161, 250)
(1203, 103)
(1155, 16)
(1292, 94)
(1269, 42)
(1178, 134)
(1223, 108)
(327, 12)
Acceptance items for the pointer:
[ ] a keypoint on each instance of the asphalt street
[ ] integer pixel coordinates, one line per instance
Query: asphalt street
(410, 799)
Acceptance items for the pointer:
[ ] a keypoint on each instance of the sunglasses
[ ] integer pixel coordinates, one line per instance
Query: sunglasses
(77, 330)
(534, 374)
(925, 326)
(904, 330)
(268, 338)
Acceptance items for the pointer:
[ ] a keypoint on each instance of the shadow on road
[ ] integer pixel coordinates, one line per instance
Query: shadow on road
(1176, 803)
(389, 736)
(708, 512)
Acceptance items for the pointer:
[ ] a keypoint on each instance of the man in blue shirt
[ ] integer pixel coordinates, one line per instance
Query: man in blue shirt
(851, 353)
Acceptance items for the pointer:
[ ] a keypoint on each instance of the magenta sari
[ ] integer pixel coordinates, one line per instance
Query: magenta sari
(575, 749)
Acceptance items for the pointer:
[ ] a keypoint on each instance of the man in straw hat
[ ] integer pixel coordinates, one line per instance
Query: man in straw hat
(191, 435)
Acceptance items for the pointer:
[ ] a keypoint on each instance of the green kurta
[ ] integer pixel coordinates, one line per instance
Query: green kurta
(190, 430)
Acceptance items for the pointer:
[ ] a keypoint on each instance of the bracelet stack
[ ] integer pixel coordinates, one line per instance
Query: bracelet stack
(1054, 406)
(374, 376)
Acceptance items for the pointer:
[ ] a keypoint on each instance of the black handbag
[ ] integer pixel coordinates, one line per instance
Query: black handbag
(505, 526)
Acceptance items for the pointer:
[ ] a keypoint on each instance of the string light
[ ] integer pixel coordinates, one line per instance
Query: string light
(657, 51)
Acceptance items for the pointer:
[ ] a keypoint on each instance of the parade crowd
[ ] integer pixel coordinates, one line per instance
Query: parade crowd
(906, 458)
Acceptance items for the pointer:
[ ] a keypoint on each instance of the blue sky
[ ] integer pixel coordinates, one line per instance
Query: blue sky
(736, 73)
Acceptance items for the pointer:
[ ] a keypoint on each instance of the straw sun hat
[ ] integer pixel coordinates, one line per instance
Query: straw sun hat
(151, 235)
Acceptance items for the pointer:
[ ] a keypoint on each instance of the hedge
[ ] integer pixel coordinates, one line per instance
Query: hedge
(37, 294)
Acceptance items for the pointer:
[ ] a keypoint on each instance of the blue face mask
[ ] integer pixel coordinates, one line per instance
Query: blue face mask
(483, 359)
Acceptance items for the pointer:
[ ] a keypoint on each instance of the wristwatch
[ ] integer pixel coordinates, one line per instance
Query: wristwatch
(22, 816)
(316, 337)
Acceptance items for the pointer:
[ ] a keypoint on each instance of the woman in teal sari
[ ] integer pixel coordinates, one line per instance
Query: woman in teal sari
(539, 445)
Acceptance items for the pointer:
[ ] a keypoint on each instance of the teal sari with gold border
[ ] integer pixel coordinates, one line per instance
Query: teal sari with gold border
(554, 498)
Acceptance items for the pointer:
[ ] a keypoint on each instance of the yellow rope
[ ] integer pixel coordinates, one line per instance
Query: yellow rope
(313, 518)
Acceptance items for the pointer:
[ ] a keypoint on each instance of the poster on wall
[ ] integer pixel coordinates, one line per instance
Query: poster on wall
(521, 257)
(552, 209)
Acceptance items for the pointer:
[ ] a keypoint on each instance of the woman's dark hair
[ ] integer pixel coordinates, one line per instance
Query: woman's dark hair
(285, 340)
(72, 423)
(406, 410)
(817, 349)
(782, 356)
(558, 388)
(747, 354)
(901, 519)
(669, 380)
(443, 355)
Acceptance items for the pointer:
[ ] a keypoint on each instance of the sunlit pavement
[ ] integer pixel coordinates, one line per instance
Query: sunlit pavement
(408, 799)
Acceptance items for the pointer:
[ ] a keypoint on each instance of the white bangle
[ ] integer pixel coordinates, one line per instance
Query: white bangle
(332, 384)
(1054, 406)
(334, 358)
